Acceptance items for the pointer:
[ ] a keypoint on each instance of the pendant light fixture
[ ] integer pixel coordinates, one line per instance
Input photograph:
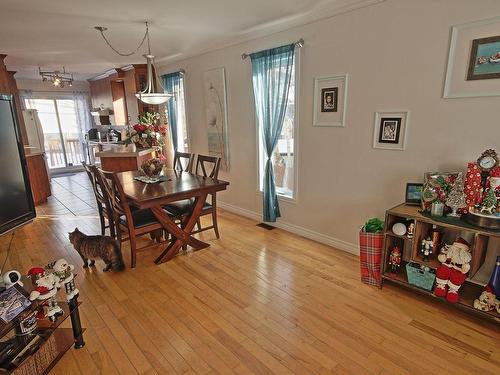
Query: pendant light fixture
(148, 95)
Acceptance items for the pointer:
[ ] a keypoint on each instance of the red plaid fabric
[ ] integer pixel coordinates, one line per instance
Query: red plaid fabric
(370, 255)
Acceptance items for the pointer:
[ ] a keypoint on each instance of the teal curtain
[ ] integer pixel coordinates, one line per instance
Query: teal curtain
(271, 74)
(172, 83)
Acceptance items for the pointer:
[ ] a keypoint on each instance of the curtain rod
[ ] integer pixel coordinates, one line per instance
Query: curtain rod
(299, 43)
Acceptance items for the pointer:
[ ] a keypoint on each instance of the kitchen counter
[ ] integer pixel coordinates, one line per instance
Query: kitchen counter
(120, 158)
(123, 151)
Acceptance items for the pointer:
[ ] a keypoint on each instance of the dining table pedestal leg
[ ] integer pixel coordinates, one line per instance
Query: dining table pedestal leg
(182, 236)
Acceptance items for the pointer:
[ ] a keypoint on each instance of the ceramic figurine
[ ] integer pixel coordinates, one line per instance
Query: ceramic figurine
(46, 290)
(411, 230)
(64, 274)
(426, 248)
(395, 259)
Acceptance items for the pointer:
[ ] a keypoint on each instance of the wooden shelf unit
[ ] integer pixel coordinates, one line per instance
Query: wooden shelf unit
(410, 253)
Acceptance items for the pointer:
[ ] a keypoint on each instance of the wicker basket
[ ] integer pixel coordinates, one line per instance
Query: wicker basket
(420, 278)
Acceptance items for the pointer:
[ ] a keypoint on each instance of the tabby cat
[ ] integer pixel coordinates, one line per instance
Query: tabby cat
(92, 247)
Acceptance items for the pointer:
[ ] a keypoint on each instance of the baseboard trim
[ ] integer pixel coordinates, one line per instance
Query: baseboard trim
(295, 229)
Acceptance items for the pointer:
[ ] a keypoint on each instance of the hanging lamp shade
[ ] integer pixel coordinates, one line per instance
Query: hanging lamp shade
(149, 96)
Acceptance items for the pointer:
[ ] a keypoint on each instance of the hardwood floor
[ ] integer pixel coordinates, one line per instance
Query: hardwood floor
(255, 302)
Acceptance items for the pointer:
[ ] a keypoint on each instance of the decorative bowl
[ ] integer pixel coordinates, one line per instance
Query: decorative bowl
(152, 167)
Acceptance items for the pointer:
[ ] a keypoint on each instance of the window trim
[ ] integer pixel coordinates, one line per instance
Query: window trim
(283, 198)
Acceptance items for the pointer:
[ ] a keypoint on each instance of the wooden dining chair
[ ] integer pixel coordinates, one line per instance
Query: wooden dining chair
(206, 166)
(183, 161)
(103, 205)
(130, 224)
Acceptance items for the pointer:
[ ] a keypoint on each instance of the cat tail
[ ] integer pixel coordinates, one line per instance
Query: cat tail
(117, 263)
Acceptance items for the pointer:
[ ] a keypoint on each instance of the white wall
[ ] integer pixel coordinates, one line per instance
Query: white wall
(395, 54)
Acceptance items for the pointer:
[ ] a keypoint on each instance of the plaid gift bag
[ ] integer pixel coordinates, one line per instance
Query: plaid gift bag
(370, 255)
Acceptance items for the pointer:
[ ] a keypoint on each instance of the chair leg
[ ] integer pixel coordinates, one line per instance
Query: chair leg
(103, 224)
(133, 247)
(214, 221)
(112, 228)
(198, 224)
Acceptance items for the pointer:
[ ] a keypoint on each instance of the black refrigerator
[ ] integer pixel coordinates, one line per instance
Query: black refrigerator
(16, 201)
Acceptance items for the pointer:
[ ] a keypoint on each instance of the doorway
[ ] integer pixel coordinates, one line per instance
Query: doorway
(63, 134)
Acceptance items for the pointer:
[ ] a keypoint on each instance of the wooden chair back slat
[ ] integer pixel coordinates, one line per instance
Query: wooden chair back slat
(208, 166)
(183, 161)
(116, 196)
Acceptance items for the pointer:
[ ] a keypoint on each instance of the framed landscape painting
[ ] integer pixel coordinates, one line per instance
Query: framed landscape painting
(484, 60)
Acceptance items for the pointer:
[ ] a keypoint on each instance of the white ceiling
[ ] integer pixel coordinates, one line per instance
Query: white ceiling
(53, 33)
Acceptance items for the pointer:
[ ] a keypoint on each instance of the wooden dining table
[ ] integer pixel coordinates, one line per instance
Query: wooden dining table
(176, 186)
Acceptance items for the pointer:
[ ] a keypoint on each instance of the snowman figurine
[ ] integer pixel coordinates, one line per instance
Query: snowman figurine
(45, 290)
(64, 274)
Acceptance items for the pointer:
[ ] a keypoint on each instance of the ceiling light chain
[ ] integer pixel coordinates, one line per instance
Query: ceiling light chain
(148, 95)
(102, 29)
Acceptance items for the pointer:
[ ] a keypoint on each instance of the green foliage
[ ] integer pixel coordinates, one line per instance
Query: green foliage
(490, 199)
(149, 118)
(374, 225)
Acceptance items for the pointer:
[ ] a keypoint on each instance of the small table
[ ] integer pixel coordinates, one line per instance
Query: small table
(177, 186)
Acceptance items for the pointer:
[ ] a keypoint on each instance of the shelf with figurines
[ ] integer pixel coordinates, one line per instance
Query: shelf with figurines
(31, 337)
(451, 255)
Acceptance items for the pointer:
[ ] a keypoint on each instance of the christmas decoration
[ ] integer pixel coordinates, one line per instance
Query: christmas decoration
(46, 289)
(487, 301)
(451, 274)
(472, 188)
(411, 230)
(437, 185)
(456, 197)
(395, 259)
(489, 204)
(63, 272)
(426, 248)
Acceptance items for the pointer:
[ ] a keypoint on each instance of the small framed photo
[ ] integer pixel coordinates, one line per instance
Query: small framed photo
(13, 301)
(413, 194)
(330, 100)
(390, 130)
(484, 60)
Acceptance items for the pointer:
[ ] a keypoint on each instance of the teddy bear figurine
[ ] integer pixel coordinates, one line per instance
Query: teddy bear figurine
(64, 274)
(45, 290)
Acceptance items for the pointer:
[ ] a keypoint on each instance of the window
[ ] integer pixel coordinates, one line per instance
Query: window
(63, 133)
(284, 155)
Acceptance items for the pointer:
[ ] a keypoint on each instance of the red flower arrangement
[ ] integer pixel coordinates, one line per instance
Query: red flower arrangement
(148, 132)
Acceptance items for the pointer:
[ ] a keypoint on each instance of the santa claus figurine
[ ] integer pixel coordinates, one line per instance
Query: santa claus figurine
(65, 276)
(45, 290)
(451, 274)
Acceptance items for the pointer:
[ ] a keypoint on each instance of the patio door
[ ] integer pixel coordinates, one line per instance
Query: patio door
(64, 137)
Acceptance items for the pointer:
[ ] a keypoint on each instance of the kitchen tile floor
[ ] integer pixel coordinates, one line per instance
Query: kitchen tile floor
(72, 195)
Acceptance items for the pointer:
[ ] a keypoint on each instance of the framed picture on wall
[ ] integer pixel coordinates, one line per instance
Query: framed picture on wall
(390, 130)
(484, 60)
(473, 68)
(330, 100)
